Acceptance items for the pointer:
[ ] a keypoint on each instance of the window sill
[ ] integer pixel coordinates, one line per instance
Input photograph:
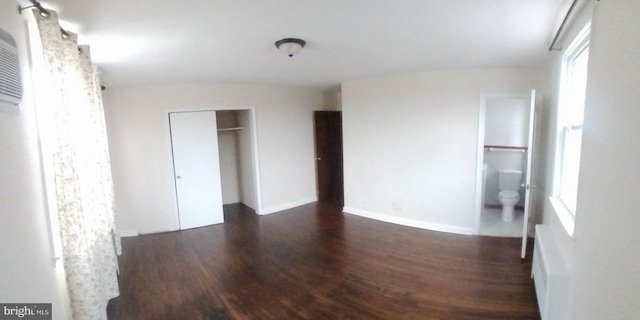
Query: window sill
(566, 217)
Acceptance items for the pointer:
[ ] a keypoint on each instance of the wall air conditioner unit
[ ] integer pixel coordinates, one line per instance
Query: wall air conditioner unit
(10, 76)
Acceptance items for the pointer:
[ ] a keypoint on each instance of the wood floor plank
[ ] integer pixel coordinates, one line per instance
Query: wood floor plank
(314, 262)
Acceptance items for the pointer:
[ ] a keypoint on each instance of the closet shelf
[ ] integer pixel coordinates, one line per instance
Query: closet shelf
(230, 129)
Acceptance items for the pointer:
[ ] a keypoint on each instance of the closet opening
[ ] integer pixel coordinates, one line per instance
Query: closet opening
(236, 157)
(215, 162)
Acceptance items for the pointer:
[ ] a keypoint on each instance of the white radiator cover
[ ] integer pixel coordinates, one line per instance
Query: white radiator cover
(550, 275)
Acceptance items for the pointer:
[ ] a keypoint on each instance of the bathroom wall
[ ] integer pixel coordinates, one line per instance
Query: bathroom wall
(506, 124)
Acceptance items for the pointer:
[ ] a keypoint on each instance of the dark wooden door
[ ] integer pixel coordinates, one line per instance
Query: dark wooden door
(328, 137)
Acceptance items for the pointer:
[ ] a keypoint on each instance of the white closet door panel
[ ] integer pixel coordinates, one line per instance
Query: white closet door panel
(194, 141)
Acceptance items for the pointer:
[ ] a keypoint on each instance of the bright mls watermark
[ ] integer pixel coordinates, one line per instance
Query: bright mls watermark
(31, 311)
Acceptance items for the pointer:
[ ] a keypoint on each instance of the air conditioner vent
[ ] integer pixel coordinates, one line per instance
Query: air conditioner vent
(10, 76)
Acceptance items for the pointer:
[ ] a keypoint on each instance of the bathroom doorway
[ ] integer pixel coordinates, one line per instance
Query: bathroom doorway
(505, 143)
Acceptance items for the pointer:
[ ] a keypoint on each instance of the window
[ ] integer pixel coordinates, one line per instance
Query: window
(570, 117)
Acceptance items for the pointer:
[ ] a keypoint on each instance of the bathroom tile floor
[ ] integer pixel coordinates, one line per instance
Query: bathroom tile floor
(491, 224)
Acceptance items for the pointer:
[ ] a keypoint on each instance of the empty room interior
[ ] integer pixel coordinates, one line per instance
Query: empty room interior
(281, 159)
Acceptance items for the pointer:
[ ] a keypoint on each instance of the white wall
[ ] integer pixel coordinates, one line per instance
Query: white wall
(141, 156)
(603, 255)
(28, 273)
(410, 143)
(507, 122)
(229, 166)
(333, 100)
(247, 178)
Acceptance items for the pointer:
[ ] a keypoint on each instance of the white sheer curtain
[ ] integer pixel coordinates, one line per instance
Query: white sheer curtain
(83, 186)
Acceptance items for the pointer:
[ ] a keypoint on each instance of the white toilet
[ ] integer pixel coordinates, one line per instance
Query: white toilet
(509, 183)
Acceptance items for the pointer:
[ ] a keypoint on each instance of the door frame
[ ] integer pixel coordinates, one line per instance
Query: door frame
(479, 193)
(254, 150)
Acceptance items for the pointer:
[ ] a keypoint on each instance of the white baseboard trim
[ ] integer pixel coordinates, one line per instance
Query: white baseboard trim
(408, 222)
(286, 206)
(128, 233)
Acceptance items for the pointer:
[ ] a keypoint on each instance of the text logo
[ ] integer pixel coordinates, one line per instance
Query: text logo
(28, 311)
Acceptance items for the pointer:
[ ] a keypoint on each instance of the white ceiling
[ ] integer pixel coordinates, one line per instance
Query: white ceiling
(172, 41)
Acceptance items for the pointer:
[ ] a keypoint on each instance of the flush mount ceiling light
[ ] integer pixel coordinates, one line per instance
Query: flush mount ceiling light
(290, 46)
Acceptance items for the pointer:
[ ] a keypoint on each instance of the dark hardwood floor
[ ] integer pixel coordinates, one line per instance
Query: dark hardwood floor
(314, 262)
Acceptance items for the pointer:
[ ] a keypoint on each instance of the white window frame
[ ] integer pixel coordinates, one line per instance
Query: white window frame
(565, 206)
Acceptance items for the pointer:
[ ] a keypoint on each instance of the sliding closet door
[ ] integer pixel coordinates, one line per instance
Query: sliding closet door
(194, 141)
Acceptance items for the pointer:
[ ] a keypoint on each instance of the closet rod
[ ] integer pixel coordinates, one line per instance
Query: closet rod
(505, 148)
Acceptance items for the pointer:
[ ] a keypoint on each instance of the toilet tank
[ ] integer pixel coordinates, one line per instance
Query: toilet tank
(509, 180)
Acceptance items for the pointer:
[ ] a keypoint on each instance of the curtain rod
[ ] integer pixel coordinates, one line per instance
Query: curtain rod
(43, 12)
(562, 25)
(561, 28)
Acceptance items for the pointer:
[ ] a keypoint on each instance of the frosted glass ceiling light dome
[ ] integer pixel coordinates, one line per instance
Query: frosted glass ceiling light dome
(290, 46)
